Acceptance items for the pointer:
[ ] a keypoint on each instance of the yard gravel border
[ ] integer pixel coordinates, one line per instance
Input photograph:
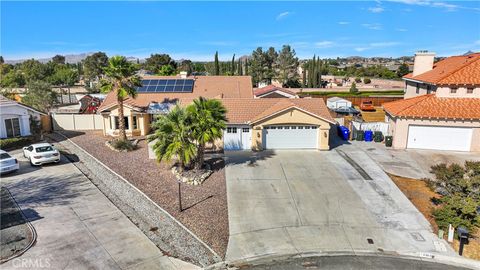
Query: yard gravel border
(172, 237)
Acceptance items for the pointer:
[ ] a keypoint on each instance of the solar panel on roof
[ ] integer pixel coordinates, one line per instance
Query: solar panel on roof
(166, 86)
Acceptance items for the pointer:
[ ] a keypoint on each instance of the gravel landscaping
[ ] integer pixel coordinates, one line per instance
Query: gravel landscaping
(17, 234)
(205, 206)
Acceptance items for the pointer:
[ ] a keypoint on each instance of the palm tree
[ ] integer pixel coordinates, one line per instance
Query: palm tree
(207, 118)
(121, 78)
(173, 135)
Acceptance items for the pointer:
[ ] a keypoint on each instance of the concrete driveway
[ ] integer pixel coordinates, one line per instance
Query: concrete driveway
(77, 226)
(287, 202)
(412, 163)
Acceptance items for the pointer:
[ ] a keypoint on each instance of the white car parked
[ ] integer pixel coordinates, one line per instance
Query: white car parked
(41, 153)
(8, 163)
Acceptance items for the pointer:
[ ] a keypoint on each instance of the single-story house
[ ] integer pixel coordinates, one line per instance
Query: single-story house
(276, 123)
(441, 110)
(273, 91)
(15, 118)
(279, 123)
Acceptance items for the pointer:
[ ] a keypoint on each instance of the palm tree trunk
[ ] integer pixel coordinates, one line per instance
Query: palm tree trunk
(200, 156)
(121, 120)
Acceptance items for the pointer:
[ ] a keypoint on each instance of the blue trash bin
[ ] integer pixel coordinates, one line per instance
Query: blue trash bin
(368, 136)
(344, 133)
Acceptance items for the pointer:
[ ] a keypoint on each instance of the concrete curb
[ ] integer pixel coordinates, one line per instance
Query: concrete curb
(29, 225)
(201, 259)
(268, 258)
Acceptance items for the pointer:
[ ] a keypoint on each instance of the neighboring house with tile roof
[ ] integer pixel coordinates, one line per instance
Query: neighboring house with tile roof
(15, 118)
(441, 109)
(273, 91)
(253, 123)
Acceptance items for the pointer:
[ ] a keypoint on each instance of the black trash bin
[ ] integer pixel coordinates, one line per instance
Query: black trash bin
(377, 136)
(360, 135)
(388, 141)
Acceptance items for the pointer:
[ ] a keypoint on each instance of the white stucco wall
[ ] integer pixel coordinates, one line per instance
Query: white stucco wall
(20, 112)
(423, 89)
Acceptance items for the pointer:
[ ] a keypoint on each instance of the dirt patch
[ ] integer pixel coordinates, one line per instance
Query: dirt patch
(418, 192)
(205, 206)
(377, 116)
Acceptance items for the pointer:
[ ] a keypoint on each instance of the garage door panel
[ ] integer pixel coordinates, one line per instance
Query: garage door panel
(290, 137)
(439, 138)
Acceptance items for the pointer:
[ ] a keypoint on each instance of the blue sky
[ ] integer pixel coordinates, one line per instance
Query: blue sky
(195, 30)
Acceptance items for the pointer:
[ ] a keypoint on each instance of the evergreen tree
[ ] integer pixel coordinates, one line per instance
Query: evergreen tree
(287, 66)
(304, 75)
(246, 66)
(239, 68)
(232, 68)
(217, 66)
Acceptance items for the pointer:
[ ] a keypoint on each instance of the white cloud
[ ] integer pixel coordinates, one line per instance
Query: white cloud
(383, 44)
(376, 45)
(373, 26)
(283, 15)
(401, 30)
(435, 4)
(361, 49)
(343, 23)
(324, 44)
(376, 9)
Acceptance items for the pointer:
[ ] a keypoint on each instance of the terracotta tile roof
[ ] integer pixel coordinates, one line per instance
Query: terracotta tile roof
(270, 88)
(205, 86)
(431, 106)
(454, 70)
(241, 111)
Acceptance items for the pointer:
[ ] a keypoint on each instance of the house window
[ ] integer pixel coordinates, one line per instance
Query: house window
(13, 127)
(300, 127)
(469, 90)
(287, 127)
(453, 90)
(231, 130)
(307, 127)
(246, 130)
(117, 122)
(417, 90)
(294, 127)
(134, 122)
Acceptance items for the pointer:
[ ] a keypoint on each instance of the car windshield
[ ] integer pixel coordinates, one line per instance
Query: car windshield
(43, 149)
(4, 156)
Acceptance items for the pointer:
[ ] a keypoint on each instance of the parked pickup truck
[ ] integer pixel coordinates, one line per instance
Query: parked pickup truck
(367, 105)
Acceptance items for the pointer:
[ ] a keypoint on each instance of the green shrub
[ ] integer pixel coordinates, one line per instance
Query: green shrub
(457, 211)
(15, 143)
(367, 81)
(123, 145)
(461, 189)
(353, 88)
(358, 80)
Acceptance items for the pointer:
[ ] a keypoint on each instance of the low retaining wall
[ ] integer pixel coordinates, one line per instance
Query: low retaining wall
(164, 230)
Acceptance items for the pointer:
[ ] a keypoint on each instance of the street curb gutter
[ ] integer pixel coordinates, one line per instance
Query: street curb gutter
(270, 258)
(198, 252)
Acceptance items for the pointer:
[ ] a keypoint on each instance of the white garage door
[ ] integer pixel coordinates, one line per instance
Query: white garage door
(439, 138)
(290, 137)
(237, 138)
